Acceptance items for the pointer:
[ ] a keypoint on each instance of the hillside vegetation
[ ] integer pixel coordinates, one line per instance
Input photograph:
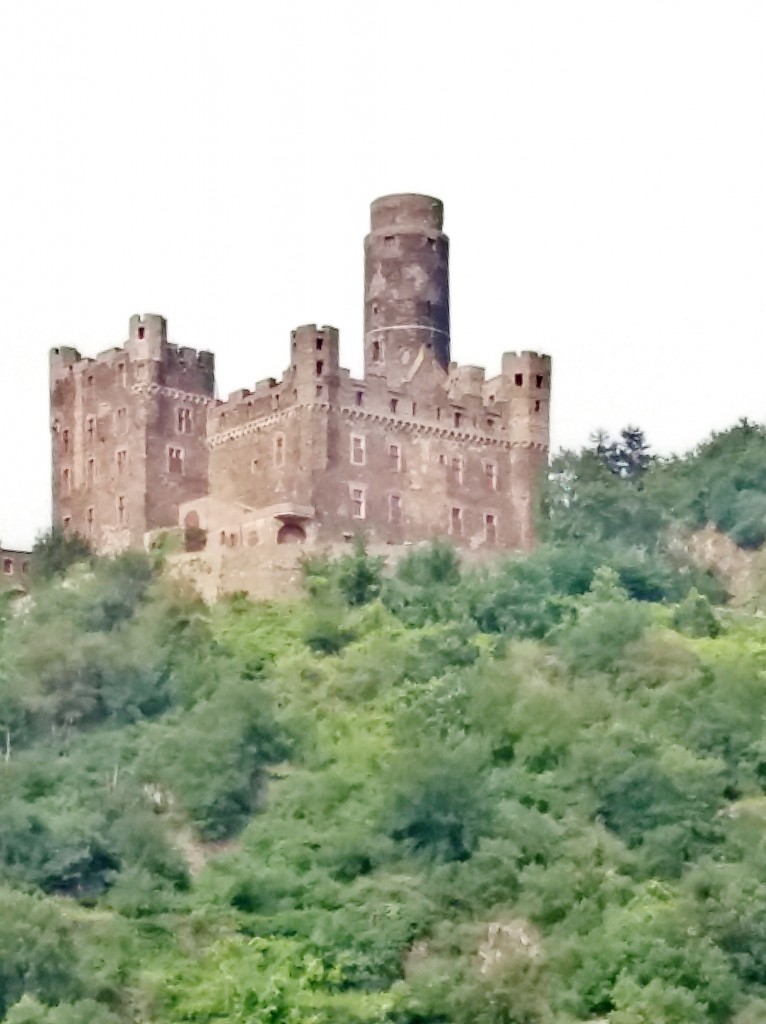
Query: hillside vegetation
(530, 794)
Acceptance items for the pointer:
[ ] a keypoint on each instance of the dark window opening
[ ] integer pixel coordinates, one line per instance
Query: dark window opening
(377, 352)
(319, 391)
(458, 419)
(320, 367)
(393, 404)
(8, 566)
(291, 533)
(490, 528)
(359, 397)
(539, 380)
(176, 461)
(414, 408)
(518, 379)
(320, 342)
(537, 405)
(140, 333)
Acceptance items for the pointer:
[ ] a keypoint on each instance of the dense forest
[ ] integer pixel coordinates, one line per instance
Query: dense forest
(531, 792)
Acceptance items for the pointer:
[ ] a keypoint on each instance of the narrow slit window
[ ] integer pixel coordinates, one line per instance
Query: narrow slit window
(458, 419)
(539, 380)
(140, 333)
(184, 421)
(66, 481)
(377, 352)
(490, 527)
(90, 428)
(358, 449)
(65, 440)
(121, 459)
(518, 379)
(393, 404)
(358, 510)
(279, 450)
(91, 472)
(490, 472)
(320, 367)
(456, 521)
(395, 457)
(394, 508)
(359, 399)
(122, 514)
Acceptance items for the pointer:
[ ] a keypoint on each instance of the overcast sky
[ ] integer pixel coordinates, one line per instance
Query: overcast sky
(602, 164)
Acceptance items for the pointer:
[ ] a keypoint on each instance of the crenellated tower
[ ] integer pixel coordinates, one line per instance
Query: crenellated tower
(128, 435)
(406, 287)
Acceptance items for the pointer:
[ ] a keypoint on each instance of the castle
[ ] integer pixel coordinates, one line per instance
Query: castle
(417, 448)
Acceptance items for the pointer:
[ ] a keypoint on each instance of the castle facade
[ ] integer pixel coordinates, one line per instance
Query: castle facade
(417, 448)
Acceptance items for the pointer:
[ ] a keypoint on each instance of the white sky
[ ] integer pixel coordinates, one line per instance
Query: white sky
(602, 162)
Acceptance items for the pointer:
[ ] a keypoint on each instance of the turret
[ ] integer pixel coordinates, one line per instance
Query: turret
(406, 286)
(146, 336)
(314, 354)
(527, 385)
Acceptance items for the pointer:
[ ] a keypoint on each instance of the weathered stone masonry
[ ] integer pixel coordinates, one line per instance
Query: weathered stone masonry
(417, 448)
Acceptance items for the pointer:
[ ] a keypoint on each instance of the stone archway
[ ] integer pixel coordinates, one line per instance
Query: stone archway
(291, 533)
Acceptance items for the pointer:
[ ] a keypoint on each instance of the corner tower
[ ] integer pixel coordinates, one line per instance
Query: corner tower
(406, 287)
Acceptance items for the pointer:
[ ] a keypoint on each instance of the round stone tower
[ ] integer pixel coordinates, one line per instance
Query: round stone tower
(406, 287)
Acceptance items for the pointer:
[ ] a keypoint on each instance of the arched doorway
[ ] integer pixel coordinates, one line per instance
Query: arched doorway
(291, 533)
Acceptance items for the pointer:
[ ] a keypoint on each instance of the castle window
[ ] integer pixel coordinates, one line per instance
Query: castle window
(90, 516)
(358, 449)
(393, 404)
(438, 413)
(359, 397)
(518, 379)
(8, 566)
(442, 459)
(65, 440)
(90, 475)
(375, 307)
(121, 459)
(377, 352)
(222, 538)
(320, 367)
(25, 567)
(66, 481)
(389, 241)
(414, 408)
(537, 405)
(89, 380)
(279, 450)
(319, 344)
(90, 427)
(395, 457)
(456, 469)
(358, 503)
(122, 421)
(184, 421)
(394, 508)
(122, 515)
(491, 398)
(490, 472)
(319, 391)
(122, 375)
(457, 419)
(456, 521)
(140, 333)
(254, 466)
(490, 527)
(176, 461)
(539, 380)
(490, 424)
